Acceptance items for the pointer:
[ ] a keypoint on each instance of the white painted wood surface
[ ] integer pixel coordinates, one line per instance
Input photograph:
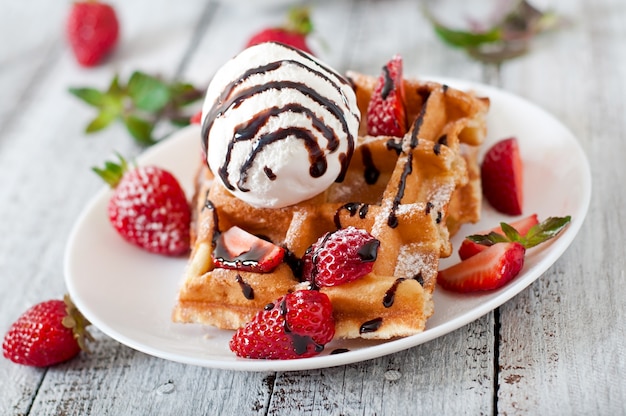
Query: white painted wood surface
(558, 348)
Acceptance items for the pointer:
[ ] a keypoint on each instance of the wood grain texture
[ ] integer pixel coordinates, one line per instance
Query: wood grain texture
(559, 347)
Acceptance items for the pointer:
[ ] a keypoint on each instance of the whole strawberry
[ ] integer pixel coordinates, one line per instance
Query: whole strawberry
(386, 115)
(340, 257)
(148, 207)
(297, 325)
(46, 334)
(92, 30)
(293, 33)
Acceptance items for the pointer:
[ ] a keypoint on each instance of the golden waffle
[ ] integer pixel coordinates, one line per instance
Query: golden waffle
(408, 192)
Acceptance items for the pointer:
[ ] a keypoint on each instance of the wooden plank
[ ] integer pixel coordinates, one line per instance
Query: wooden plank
(562, 342)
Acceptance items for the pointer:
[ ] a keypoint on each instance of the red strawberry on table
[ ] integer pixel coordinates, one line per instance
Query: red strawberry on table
(502, 177)
(46, 334)
(503, 258)
(293, 33)
(92, 30)
(148, 207)
(240, 250)
(340, 257)
(386, 115)
(297, 325)
(468, 248)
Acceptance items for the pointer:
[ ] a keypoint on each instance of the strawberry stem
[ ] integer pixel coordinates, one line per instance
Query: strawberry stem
(299, 21)
(112, 172)
(77, 323)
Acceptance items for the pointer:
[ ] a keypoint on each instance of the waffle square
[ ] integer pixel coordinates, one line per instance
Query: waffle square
(411, 193)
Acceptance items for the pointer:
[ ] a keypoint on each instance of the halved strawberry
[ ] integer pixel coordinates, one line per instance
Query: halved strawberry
(502, 177)
(501, 260)
(386, 115)
(469, 248)
(489, 269)
(239, 250)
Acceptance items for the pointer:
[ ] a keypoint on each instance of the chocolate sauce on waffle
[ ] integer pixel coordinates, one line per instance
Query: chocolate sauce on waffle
(246, 289)
(371, 173)
(232, 97)
(371, 326)
(390, 294)
(392, 220)
(353, 208)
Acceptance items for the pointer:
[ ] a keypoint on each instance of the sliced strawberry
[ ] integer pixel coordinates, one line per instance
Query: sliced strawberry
(487, 270)
(502, 177)
(297, 325)
(468, 248)
(239, 250)
(386, 115)
(340, 257)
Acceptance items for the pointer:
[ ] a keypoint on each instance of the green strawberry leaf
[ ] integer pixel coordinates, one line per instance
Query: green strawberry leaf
(140, 129)
(184, 93)
(148, 93)
(112, 172)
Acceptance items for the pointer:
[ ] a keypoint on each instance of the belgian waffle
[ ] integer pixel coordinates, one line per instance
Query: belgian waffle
(411, 193)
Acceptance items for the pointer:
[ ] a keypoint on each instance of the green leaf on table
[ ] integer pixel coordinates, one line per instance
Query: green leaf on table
(140, 129)
(148, 93)
(463, 39)
(184, 93)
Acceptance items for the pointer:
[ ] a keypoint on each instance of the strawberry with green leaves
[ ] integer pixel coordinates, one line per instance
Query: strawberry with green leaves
(148, 207)
(386, 115)
(48, 333)
(293, 33)
(297, 325)
(502, 260)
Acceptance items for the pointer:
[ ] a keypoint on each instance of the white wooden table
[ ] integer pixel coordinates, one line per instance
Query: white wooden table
(558, 348)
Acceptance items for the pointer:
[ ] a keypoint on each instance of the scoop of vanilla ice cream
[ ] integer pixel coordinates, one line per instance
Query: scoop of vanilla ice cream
(278, 126)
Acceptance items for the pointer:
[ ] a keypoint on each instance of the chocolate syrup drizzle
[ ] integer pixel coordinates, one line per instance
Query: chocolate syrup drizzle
(353, 208)
(371, 173)
(246, 289)
(248, 131)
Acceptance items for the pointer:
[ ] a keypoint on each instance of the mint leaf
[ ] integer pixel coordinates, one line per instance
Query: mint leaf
(148, 93)
(103, 119)
(140, 129)
(462, 39)
(545, 230)
(510, 232)
(91, 96)
(488, 239)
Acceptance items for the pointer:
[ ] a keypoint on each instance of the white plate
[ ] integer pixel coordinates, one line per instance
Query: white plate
(129, 294)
